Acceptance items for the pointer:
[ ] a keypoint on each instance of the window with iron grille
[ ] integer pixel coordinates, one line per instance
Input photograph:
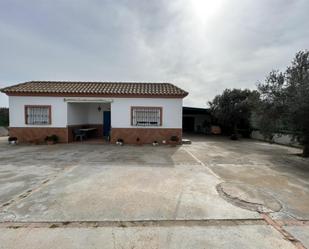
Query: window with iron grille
(146, 116)
(38, 115)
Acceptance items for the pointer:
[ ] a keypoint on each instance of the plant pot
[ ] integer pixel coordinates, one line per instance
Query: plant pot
(138, 142)
(12, 140)
(174, 140)
(234, 137)
(173, 143)
(51, 139)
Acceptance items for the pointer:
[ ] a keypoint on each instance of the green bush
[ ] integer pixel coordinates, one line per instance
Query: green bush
(4, 117)
(53, 138)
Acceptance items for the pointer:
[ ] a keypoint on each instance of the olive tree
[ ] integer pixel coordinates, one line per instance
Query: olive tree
(233, 108)
(284, 101)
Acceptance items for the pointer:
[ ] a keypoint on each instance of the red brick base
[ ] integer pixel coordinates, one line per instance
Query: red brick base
(38, 134)
(128, 135)
(145, 135)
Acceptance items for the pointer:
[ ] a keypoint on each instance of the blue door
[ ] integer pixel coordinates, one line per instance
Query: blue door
(106, 123)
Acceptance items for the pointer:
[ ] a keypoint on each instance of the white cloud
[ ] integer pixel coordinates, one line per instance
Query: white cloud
(203, 46)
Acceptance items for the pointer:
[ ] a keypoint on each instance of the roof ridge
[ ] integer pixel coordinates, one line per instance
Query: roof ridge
(96, 87)
(105, 82)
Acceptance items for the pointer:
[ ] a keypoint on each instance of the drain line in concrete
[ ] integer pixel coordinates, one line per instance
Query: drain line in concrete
(248, 197)
(255, 199)
(27, 193)
(134, 223)
(203, 164)
(282, 231)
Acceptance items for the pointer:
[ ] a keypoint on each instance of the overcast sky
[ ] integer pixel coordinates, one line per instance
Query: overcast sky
(203, 46)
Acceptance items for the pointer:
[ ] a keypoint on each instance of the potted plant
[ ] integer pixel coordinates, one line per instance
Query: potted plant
(119, 141)
(12, 140)
(138, 141)
(51, 139)
(174, 140)
(155, 143)
(234, 136)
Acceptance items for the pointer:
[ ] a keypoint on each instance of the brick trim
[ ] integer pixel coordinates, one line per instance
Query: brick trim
(145, 135)
(38, 134)
(129, 135)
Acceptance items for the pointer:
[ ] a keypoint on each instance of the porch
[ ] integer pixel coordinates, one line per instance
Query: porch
(89, 120)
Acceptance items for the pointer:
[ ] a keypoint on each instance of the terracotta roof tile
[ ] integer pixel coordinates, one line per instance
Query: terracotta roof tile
(96, 88)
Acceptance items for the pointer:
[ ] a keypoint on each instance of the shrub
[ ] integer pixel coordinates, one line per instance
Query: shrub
(10, 139)
(234, 137)
(119, 141)
(52, 138)
(174, 139)
(4, 117)
(155, 143)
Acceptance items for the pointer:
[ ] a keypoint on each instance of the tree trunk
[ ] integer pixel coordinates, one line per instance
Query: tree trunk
(306, 145)
(306, 150)
(235, 128)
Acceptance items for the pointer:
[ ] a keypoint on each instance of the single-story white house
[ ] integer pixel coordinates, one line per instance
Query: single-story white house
(132, 112)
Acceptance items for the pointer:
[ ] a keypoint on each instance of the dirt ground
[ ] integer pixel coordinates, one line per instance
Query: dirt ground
(214, 193)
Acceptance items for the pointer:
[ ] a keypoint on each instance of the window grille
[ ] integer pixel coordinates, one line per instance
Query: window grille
(38, 115)
(146, 116)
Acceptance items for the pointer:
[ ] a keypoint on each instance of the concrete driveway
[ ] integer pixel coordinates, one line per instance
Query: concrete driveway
(214, 193)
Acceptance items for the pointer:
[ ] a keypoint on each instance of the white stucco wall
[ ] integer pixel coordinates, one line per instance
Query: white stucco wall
(95, 116)
(17, 109)
(64, 113)
(285, 139)
(86, 113)
(77, 113)
(121, 111)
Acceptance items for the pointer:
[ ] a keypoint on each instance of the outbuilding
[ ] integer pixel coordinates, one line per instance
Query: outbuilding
(131, 112)
(197, 120)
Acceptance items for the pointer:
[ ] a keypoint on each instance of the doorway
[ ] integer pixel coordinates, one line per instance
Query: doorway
(106, 123)
(188, 124)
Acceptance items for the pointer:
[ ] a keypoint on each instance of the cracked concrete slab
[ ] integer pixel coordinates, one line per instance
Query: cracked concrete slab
(232, 237)
(300, 232)
(129, 193)
(273, 168)
(249, 197)
(100, 183)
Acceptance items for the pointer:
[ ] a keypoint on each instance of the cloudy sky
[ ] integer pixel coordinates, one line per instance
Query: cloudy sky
(204, 46)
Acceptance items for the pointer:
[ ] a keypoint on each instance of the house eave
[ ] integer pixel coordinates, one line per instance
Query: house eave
(46, 94)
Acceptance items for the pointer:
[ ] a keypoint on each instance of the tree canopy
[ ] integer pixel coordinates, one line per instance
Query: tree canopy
(281, 104)
(284, 101)
(233, 109)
